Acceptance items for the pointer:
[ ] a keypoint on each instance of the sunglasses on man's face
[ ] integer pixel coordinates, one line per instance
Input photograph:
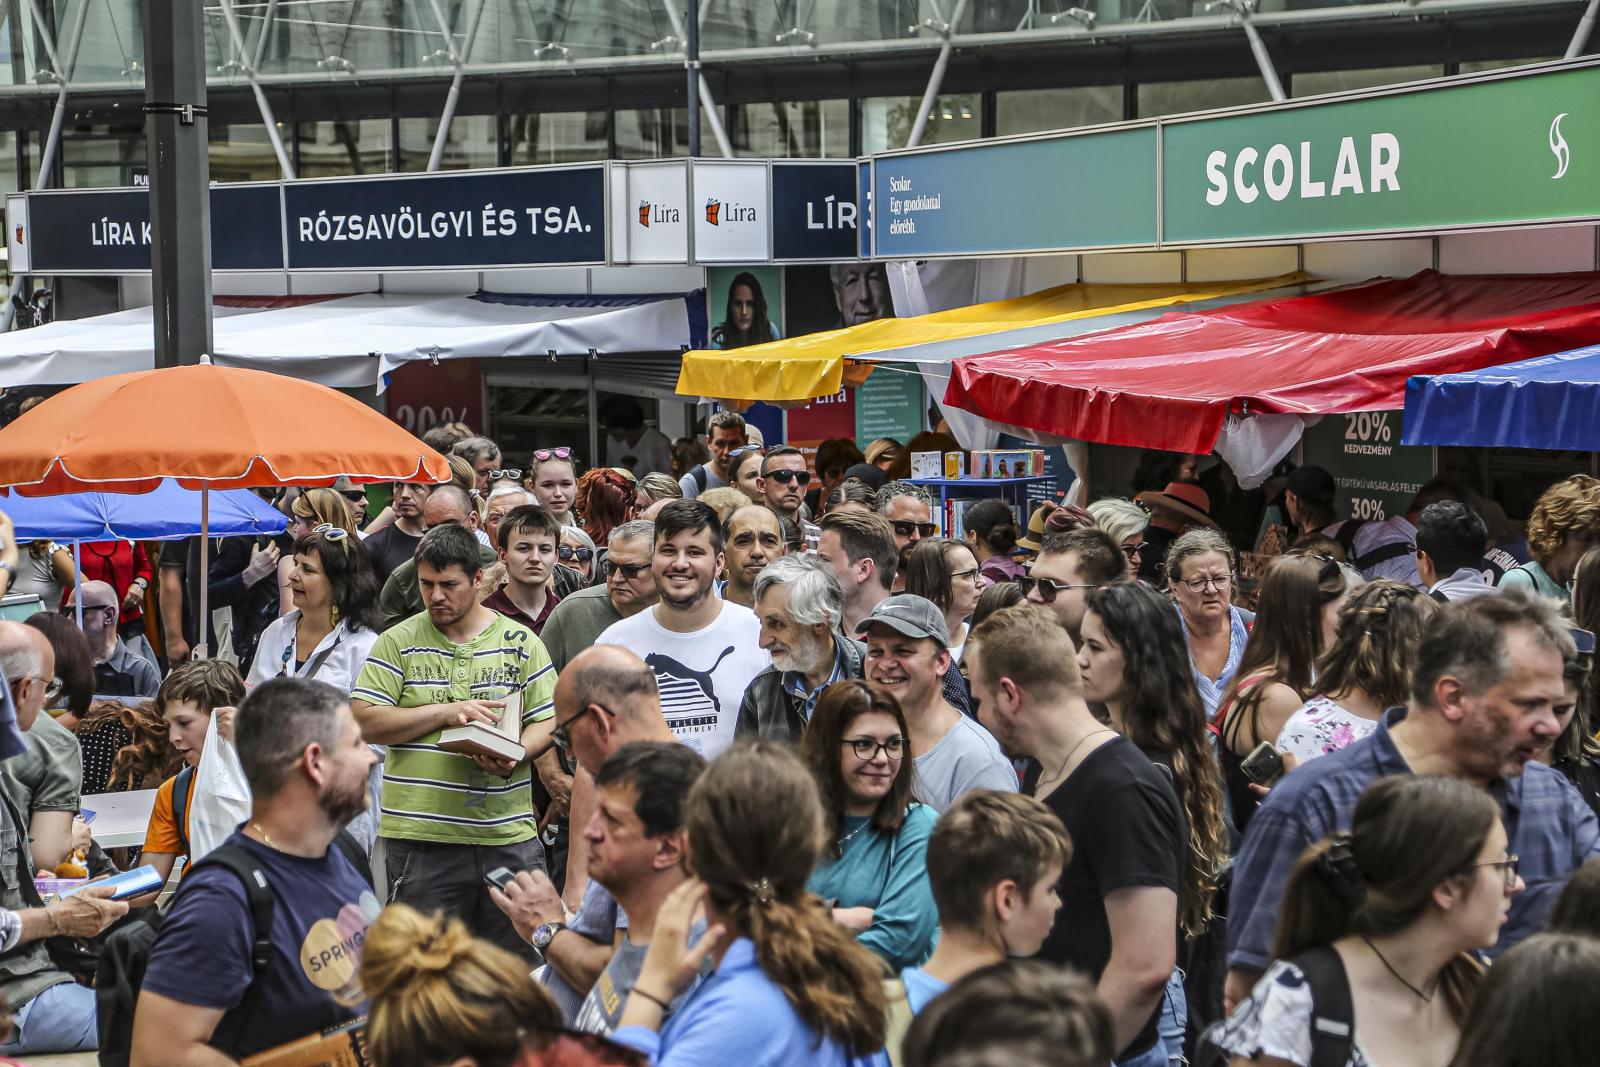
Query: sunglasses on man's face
(905, 528)
(784, 477)
(629, 571)
(1048, 587)
(568, 553)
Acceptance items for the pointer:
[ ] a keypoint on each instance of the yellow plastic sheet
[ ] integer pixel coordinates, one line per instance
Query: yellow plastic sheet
(799, 368)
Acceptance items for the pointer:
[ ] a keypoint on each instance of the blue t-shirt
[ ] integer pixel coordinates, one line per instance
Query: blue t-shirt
(921, 987)
(322, 910)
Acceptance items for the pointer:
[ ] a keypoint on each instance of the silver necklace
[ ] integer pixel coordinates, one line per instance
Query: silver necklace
(846, 839)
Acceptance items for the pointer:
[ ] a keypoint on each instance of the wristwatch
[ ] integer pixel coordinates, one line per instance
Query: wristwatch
(546, 933)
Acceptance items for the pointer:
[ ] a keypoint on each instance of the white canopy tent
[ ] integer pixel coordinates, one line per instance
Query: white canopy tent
(355, 341)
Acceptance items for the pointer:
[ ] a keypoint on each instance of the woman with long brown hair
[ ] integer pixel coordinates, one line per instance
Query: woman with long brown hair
(605, 500)
(1398, 903)
(791, 988)
(1296, 613)
(874, 871)
(1366, 669)
(1134, 666)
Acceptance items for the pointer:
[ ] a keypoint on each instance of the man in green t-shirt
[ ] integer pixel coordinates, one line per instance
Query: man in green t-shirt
(448, 819)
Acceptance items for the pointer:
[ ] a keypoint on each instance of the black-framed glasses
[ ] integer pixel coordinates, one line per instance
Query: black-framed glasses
(784, 477)
(542, 454)
(561, 736)
(970, 572)
(867, 748)
(1508, 866)
(1133, 550)
(568, 553)
(1329, 569)
(630, 571)
(513, 473)
(1198, 584)
(1048, 587)
(905, 528)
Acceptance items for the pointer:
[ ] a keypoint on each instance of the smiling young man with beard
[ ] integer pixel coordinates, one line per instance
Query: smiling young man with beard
(703, 650)
(798, 601)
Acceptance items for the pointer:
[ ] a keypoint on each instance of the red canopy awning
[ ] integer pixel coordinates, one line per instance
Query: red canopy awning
(1171, 383)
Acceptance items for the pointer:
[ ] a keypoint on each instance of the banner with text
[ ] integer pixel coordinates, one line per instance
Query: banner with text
(108, 231)
(1376, 475)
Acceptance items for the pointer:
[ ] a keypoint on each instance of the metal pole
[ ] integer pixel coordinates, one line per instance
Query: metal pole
(453, 97)
(1580, 36)
(261, 39)
(691, 61)
(52, 142)
(203, 625)
(180, 171)
(712, 118)
(40, 26)
(1269, 73)
(255, 86)
(936, 79)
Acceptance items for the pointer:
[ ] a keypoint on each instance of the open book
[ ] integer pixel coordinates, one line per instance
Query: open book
(504, 739)
(344, 1045)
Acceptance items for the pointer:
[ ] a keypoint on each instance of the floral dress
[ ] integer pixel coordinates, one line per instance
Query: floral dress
(1320, 726)
(1276, 1021)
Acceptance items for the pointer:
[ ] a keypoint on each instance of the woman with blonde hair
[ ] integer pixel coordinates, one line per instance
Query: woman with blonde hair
(1126, 522)
(443, 997)
(790, 987)
(1564, 525)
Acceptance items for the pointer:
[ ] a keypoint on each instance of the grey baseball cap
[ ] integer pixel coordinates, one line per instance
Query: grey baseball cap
(912, 615)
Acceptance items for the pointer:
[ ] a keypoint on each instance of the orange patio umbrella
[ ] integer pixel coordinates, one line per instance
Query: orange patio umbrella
(210, 428)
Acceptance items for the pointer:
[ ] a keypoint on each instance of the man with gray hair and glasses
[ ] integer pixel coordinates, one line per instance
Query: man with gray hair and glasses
(1488, 677)
(799, 602)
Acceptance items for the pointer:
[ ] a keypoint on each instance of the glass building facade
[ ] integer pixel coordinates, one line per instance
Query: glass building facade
(358, 86)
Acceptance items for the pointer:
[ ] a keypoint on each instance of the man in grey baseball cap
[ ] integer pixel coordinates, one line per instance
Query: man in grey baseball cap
(907, 656)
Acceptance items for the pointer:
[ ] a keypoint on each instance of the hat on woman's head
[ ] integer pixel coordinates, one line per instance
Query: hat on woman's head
(1189, 502)
(1034, 540)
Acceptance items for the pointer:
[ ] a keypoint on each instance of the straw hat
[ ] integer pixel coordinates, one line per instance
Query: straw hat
(1034, 540)
(1183, 499)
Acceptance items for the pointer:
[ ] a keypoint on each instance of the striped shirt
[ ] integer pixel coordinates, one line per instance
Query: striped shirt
(433, 795)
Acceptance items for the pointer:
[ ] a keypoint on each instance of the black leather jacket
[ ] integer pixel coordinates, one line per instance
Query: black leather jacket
(772, 713)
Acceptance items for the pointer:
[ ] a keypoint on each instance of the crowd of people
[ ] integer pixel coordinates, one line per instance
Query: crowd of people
(785, 777)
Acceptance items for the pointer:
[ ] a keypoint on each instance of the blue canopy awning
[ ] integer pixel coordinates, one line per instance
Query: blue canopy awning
(166, 513)
(1550, 402)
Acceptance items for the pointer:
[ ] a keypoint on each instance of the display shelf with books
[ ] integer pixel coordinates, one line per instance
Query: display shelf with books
(951, 495)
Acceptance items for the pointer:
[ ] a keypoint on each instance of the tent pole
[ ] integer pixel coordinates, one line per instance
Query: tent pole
(203, 624)
(77, 580)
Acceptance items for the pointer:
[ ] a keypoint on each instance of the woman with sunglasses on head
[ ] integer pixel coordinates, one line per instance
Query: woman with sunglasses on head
(1126, 522)
(874, 870)
(1366, 669)
(945, 571)
(991, 533)
(744, 472)
(790, 987)
(1133, 666)
(310, 509)
(1297, 614)
(552, 475)
(1395, 907)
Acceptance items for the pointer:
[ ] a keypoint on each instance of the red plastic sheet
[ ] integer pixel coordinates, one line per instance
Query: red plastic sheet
(1172, 382)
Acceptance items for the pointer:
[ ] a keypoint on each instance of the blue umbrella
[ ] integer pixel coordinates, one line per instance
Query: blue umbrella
(167, 513)
(1550, 402)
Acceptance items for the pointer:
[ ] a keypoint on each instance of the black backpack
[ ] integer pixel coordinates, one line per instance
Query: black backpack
(1332, 1013)
(125, 953)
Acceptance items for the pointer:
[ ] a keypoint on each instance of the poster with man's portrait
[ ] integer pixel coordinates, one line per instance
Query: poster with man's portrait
(841, 294)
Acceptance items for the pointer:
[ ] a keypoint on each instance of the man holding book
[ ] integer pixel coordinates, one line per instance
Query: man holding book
(463, 697)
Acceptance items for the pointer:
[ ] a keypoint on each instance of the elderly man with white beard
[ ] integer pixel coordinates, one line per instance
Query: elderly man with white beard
(799, 601)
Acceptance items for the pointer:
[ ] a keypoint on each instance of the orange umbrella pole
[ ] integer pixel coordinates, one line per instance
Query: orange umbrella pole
(202, 627)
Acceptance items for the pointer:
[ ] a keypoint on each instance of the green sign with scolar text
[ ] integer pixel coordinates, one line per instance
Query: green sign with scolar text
(890, 404)
(1377, 476)
(1518, 149)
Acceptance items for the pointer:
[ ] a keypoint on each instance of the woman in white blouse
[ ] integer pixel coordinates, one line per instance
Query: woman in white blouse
(333, 625)
(1366, 670)
(1393, 907)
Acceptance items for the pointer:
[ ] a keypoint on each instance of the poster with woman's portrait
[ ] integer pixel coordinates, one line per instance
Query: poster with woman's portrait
(745, 305)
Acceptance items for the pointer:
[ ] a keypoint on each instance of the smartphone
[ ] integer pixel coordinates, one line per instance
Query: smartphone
(1264, 765)
(87, 815)
(500, 877)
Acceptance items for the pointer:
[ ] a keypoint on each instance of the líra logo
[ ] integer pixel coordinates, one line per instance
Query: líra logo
(713, 208)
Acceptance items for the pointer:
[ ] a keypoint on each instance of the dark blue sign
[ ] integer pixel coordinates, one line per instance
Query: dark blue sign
(475, 219)
(864, 198)
(814, 213)
(108, 231)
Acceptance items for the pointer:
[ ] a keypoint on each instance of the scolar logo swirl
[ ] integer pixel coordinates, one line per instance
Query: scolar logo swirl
(1558, 145)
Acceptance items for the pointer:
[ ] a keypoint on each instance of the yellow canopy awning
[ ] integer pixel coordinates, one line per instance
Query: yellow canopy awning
(800, 368)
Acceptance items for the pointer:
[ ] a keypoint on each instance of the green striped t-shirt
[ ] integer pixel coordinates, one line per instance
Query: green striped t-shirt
(433, 795)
